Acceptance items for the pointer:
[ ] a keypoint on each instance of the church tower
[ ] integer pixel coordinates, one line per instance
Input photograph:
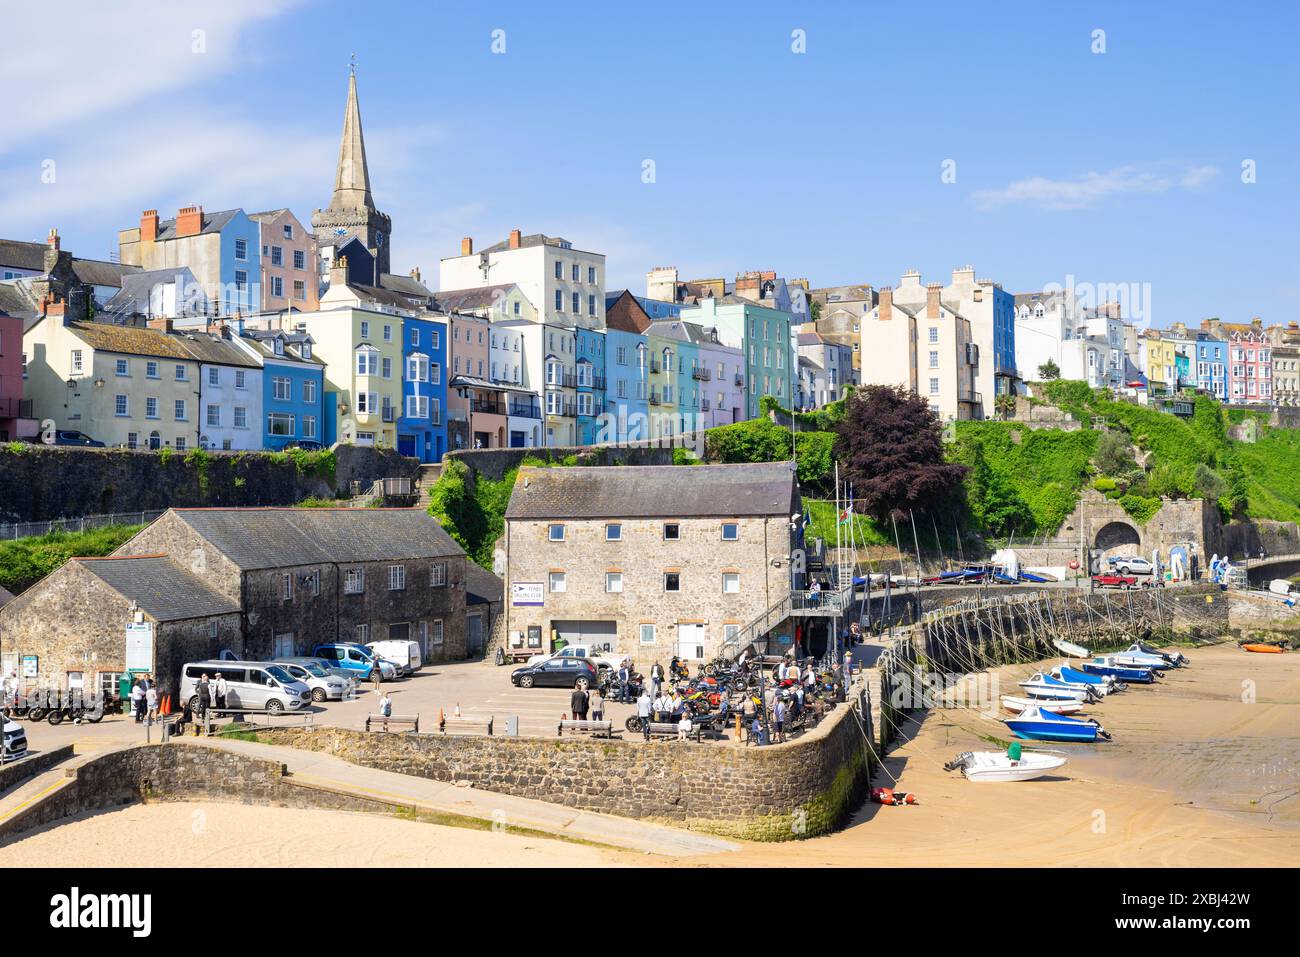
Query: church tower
(352, 211)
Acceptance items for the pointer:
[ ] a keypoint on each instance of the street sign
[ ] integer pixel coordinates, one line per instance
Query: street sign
(139, 646)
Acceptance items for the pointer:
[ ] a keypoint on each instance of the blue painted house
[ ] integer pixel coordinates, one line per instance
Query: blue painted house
(627, 368)
(293, 387)
(422, 427)
(590, 382)
(1004, 342)
(1211, 372)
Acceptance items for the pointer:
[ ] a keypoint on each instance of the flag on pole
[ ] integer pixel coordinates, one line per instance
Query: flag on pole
(846, 513)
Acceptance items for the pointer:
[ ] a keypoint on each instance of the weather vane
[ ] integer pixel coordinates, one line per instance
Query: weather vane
(353, 65)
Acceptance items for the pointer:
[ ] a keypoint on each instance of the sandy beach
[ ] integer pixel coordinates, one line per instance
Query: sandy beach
(1204, 769)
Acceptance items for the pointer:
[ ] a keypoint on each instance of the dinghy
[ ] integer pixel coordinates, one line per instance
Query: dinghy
(1106, 665)
(1038, 725)
(1264, 649)
(1141, 660)
(1070, 648)
(1000, 766)
(1017, 705)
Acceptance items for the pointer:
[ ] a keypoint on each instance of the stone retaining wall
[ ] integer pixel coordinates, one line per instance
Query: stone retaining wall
(11, 775)
(180, 772)
(781, 792)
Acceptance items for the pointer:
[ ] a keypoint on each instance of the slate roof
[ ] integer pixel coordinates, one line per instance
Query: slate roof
(467, 300)
(131, 340)
(407, 286)
(137, 287)
(532, 239)
(654, 491)
(160, 586)
(482, 585)
(96, 272)
(6, 596)
(257, 538)
(212, 223)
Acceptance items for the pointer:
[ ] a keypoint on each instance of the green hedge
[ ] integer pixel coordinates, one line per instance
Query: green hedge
(25, 561)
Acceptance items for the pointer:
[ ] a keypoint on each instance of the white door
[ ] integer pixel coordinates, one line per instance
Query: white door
(690, 640)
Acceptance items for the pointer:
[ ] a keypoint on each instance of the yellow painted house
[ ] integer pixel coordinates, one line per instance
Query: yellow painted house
(360, 340)
(1161, 365)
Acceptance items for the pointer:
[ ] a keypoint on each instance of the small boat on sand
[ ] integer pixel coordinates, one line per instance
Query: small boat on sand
(1264, 649)
(999, 766)
(1038, 725)
(1074, 676)
(1017, 705)
(1070, 648)
(1175, 659)
(1042, 685)
(1107, 665)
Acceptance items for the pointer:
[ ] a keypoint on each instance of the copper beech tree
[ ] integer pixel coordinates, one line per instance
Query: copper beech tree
(890, 447)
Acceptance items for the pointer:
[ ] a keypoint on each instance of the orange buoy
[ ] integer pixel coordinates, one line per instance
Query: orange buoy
(1264, 649)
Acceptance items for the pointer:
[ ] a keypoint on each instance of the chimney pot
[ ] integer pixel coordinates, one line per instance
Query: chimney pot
(189, 220)
(53, 239)
(514, 239)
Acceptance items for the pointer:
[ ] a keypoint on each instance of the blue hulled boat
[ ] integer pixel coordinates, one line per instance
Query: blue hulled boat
(1037, 725)
(1106, 665)
(1066, 673)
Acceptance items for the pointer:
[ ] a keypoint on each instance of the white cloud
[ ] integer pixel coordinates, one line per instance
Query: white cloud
(68, 66)
(1086, 191)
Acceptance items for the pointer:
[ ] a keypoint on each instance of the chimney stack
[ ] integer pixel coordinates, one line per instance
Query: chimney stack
(50, 259)
(415, 274)
(52, 240)
(339, 271)
(514, 239)
(467, 246)
(149, 226)
(933, 291)
(189, 220)
(162, 325)
(886, 302)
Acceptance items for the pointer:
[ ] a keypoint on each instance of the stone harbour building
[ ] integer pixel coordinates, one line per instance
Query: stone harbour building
(651, 561)
(303, 576)
(69, 630)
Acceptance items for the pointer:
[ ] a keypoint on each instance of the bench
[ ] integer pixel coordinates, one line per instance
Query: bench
(668, 729)
(456, 724)
(384, 722)
(601, 729)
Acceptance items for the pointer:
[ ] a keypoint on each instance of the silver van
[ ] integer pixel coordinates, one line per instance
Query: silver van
(250, 685)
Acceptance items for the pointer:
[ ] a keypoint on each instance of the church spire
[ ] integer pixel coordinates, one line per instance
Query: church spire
(352, 179)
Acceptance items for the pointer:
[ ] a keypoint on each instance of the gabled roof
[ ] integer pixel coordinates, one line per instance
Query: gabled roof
(159, 586)
(96, 272)
(407, 286)
(481, 586)
(625, 314)
(257, 538)
(133, 297)
(654, 491)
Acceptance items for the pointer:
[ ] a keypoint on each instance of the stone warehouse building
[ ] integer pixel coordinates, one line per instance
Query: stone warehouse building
(653, 561)
(69, 631)
(302, 576)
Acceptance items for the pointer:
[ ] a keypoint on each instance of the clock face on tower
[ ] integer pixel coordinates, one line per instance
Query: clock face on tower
(379, 238)
(340, 231)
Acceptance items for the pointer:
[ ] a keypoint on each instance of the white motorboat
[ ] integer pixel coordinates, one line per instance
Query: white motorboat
(1071, 649)
(1017, 705)
(999, 766)
(1042, 685)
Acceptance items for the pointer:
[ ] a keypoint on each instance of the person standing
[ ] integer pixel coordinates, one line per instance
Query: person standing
(778, 719)
(656, 678)
(624, 680)
(386, 706)
(137, 700)
(204, 696)
(578, 704)
(643, 708)
(219, 690)
(151, 703)
(596, 701)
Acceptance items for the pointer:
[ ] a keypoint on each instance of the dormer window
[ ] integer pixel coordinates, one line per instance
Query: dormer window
(279, 347)
(305, 349)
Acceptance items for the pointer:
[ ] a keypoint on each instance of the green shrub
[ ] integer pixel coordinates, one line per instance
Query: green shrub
(25, 561)
(1140, 508)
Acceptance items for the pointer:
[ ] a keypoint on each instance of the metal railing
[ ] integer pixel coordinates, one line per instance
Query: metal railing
(16, 530)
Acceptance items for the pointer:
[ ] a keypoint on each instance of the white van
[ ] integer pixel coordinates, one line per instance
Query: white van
(250, 685)
(404, 654)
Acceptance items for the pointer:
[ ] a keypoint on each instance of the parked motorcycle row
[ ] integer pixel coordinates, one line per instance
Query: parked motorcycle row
(57, 706)
(717, 692)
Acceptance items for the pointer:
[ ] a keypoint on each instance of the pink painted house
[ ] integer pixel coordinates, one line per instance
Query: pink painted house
(1250, 366)
(16, 420)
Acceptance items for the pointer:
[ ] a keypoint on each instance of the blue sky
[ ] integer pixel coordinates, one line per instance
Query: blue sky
(1115, 167)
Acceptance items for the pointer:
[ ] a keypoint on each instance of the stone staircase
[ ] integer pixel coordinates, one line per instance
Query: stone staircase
(429, 475)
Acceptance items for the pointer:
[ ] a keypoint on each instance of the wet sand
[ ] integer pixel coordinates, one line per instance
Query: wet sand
(236, 835)
(1195, 776)
(1198, 774)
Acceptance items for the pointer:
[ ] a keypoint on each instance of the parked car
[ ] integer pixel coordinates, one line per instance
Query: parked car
(405, 655)
(330, 668)
(307, 445)
(358, 659)
(597, 656)
(557, 673)
(1110, 580)
(15, 740)
(69, 437)
(324, 684)
(1134, 566)
(250, 685)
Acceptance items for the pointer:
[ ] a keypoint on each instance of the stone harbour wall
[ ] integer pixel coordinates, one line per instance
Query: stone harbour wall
(789, 791)
(42, 483)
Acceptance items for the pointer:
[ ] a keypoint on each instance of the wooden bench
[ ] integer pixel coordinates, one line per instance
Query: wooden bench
(453, 724)
(668, 729)
(384, 722)
(601, 729)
